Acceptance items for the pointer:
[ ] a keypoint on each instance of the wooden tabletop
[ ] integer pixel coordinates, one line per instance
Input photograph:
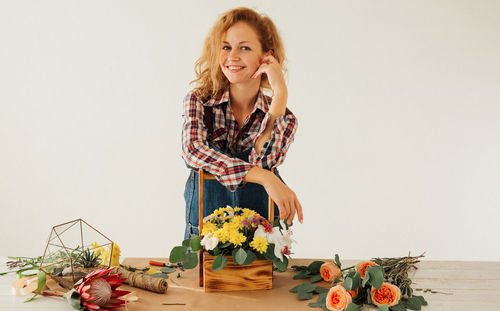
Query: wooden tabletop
(458, 285)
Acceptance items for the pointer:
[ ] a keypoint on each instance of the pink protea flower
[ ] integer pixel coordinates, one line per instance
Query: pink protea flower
(98, 291)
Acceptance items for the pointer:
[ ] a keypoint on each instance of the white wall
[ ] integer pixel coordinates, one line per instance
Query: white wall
(399, 119)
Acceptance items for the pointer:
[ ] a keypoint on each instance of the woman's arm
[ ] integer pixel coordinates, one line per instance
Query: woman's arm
(282, 195)
(277, 109)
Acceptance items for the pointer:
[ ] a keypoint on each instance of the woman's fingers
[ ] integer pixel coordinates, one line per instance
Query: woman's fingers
(300, 216)
(292, 212)
(260, 70)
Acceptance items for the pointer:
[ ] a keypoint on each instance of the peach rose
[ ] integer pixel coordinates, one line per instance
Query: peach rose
(338, 298)
(388, 294)
(353, 293)
(362, 266)
(329, 271)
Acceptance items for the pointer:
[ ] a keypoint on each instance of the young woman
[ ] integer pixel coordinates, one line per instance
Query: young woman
(231, 129)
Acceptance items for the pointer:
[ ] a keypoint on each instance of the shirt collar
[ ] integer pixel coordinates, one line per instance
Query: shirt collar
(260, 103)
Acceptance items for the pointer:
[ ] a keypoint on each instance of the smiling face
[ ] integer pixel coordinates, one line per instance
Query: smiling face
(241, 54)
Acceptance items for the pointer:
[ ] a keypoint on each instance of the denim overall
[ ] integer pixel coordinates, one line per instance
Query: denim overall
(215, 195)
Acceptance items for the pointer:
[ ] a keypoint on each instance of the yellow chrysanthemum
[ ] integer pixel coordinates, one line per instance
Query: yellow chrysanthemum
(223, 233)
(259, 244)
(247, 213)
(236, 222)
(208, 227)
(237, 238)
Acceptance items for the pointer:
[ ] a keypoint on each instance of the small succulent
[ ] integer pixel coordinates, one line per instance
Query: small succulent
(89, 259)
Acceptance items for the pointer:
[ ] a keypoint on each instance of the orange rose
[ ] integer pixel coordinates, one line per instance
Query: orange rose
(329, 271)
(338, 298)
(353, 293)
(361, 267)
(388, 294)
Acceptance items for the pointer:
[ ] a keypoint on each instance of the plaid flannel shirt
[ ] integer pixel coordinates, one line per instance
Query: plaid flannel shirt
(230, 171)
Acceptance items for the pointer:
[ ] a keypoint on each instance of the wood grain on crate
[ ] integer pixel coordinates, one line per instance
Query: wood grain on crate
(257, 275)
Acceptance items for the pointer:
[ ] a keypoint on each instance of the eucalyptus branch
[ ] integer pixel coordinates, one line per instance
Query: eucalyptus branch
(396, 271)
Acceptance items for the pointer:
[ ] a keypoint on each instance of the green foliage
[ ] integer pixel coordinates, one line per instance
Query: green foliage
(190, 260)
(376, 274)
(337, 261)
(219, 262)
(239, 256)
(177, 253)
(250, 258)
(167, 270)
(42, 279)
(383, 307)
(315, 267)
(159, 275)
(311, 271)
(89, 259)
(195, 244)
(352, 307)
(413, 303)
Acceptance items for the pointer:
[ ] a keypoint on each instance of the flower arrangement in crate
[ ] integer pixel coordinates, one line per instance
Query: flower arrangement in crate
(233, 238)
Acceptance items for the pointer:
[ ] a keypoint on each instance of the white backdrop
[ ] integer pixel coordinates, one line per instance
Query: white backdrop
(399, 119)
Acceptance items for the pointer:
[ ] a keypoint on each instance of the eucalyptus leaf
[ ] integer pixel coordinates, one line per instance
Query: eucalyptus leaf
(250, 258)
(376, 276)
(186, 242)
(315, 266)
(315, 304)
(316, 278)
(190, 261)
(413, 303)
(195, 243)
(365, 279)
(348, 283)
(219, 262)
(383, 307)
(167, 270)
(177, 254)
(282, 265)
(422, 300)
(306, 287)
(321, 289)
(398, 307)
(337, 261)
(295, 289)
(356, 280)
(305, 295)
(269, 254)
(301, 275)
(352, 307)
(240, 256)
(159, 275)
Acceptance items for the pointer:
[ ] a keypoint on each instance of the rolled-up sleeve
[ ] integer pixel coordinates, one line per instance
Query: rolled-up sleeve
(197, 153)
(274, 150)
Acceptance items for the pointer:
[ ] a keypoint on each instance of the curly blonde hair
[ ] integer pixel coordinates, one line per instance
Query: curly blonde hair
(210, 79)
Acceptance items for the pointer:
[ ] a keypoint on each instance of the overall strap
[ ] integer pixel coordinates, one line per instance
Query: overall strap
(208, 119)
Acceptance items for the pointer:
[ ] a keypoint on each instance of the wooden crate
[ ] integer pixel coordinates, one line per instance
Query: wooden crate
(257, 275)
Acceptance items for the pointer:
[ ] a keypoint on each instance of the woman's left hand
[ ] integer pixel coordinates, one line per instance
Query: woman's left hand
(271, 67)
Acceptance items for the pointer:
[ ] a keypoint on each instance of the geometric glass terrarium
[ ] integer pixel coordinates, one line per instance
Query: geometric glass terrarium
(74, 249)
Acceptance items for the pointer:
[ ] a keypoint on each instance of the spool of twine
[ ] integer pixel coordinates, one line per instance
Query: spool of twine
(144, 281)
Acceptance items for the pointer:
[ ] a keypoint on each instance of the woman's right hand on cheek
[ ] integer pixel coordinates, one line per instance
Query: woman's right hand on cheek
(285, 198)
